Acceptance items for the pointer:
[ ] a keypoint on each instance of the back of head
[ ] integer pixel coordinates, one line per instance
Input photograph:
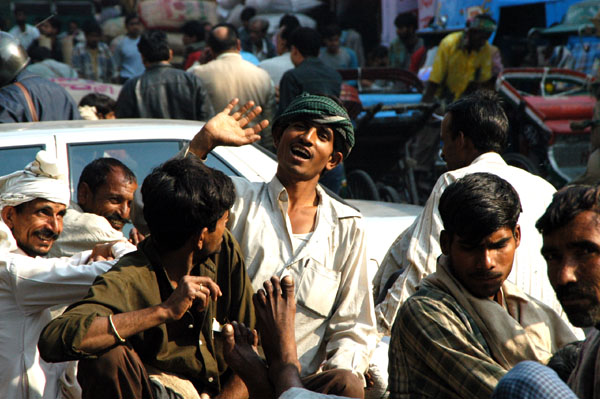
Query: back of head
(39, 53)
(96, 173)
(408, 19)
(307, 41)
(193, 28)
(153, 46)
(103, 103)
(566, 204)
(222, 37)
(481, 118)
(13, 58)
(183, 196)
(247, 14)
(478, 205)
(290, 21)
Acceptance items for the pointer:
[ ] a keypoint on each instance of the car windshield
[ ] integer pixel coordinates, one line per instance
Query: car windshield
(15, 158)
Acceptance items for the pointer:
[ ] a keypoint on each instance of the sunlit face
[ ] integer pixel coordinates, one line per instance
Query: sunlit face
(111, 200)
(573, 256)
(482, 267)
(304, 150)
(213, 240)
(35, 225)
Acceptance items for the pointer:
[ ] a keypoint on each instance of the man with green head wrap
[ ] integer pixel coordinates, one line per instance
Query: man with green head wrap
(292, 227)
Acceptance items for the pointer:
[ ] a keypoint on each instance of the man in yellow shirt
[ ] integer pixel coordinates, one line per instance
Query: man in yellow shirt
(463, 62)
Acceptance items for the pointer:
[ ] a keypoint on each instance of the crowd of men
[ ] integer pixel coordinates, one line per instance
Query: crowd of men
(236, 289)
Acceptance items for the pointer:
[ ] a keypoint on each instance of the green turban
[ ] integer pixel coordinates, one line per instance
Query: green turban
(319, 109)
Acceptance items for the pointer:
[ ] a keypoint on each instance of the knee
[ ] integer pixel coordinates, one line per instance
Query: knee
(105, 364)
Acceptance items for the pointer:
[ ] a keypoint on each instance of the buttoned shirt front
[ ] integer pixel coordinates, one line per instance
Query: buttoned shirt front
(334, 316)
(100, 68)
(29, 287)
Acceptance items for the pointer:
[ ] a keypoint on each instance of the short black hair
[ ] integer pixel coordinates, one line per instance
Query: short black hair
(55, 22)
(289, 20)
(183, 196)
(103, 103)
(406, 19)
(91, 26)
(220, 45)
(307, 41)
(95, 173)
(331, 30)
(566, 204)
(39, 53)
(481, 118)
(153, 46)
(194, 28)
(131, 16)
(477, 205)
(264, 23)
(247, 14)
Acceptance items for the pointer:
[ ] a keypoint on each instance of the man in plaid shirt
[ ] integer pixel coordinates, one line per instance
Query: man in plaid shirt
(93, 59)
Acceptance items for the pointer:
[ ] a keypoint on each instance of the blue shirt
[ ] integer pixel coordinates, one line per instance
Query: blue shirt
(128, 58)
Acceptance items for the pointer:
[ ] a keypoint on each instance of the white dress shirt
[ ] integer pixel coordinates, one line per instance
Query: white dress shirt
(334, 312)
(29, 287)
(418, 247)
(25, 38)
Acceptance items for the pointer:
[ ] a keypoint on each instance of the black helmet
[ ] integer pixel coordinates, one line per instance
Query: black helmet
(13, 58)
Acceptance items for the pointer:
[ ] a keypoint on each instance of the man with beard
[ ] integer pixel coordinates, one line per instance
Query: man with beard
(466, 318)
(155, 312)
(33, 202)
(571, 230)
(104, 196)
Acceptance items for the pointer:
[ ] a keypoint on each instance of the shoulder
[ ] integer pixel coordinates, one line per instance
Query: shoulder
(340, 210)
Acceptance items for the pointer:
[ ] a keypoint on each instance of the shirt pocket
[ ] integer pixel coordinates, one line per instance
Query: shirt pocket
(318, 288)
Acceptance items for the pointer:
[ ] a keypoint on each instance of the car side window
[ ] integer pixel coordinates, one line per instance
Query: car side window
(16, 158)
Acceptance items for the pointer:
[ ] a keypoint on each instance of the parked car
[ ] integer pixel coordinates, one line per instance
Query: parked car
(143, 144)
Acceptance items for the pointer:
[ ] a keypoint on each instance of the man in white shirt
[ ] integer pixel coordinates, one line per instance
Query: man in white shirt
(104, 194)
(22, 31)
(33, 203)
(474, 132)
(229, 76)
(292, 227)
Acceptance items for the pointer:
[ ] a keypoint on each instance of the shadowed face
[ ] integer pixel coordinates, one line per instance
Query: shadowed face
(573, 256)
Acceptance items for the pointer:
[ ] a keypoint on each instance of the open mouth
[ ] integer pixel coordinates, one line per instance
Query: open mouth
(300, 152)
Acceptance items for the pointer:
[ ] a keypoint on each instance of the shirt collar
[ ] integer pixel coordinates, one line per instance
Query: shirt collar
(229, 55)
(489, 157)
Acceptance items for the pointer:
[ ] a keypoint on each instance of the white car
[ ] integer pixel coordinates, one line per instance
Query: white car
(143, 144)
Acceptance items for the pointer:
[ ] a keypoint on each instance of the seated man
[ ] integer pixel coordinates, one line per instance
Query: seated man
(572, 249)
(33, 202)
(475, 133)
(466, 326)
(104, 196)
(155, 311)
(291, 226)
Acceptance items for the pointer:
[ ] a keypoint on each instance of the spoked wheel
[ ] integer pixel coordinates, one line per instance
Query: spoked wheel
(388, 193)
(361, 185)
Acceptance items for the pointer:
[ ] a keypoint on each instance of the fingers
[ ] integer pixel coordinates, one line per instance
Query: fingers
(231, 105)
(237, 115)
(250, 115)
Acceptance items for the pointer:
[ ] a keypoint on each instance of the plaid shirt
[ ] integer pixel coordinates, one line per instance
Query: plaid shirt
(437, 351)
(531, 380)
(82, 61)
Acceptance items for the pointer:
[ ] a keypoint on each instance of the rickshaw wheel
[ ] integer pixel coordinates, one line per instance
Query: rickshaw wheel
(388, 193)
(523, 162)
(361, 185)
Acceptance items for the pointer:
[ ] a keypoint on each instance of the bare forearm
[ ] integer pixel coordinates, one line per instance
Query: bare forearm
(234, 389)
(101, 336)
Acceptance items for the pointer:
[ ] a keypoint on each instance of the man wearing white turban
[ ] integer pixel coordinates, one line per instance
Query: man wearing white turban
(32, 204)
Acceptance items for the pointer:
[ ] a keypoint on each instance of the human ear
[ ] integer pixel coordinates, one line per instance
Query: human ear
(84, 195)
(201, 237)
(334, 160)
(8, 214)
(517, 235)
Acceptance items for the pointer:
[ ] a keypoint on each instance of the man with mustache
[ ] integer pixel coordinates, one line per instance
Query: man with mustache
(571, 230)
(33, 203)
(466, 326)
(104, 196)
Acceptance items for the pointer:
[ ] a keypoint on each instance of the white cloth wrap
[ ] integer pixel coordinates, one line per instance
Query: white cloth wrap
(42, 178)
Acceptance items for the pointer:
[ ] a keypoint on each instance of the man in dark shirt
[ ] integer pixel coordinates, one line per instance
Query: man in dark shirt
(157, 310)
(162, 91)
(310, 73)
(25, 97)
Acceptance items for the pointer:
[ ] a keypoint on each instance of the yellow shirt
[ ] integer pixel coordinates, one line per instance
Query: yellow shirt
(454, 67)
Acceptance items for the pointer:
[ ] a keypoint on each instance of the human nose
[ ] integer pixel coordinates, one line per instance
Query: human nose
(55, 223)
(310, 135)
(565, 272)
(125, 209)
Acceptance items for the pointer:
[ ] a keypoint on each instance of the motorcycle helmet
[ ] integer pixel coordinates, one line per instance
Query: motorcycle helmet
(13, 58)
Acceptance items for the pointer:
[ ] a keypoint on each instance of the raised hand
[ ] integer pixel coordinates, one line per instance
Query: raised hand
(229, 129)
(191, 289)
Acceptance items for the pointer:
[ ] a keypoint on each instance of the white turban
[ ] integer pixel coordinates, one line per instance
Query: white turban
(42, 178)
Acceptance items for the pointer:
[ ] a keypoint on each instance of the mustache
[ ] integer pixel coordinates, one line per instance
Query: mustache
(115, 217)
(46, 234)
(485, 275)
(574, 291)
